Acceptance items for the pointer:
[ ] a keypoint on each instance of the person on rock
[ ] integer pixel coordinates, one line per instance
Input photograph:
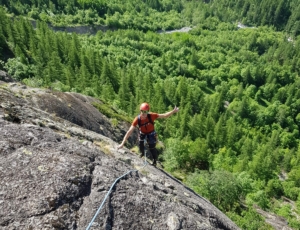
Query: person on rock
(145, 122)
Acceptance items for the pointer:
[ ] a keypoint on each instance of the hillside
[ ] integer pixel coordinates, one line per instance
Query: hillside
(156, 15)
(55, 174)
(234, 76)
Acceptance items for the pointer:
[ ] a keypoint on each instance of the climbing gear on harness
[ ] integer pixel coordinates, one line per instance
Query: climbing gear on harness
(145, 106)
(149, 139)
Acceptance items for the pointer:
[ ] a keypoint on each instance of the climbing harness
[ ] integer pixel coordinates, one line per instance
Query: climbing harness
(151, 138)
(100, 207)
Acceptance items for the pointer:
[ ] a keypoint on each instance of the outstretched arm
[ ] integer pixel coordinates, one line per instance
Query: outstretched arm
(167, 114)
(130, 130)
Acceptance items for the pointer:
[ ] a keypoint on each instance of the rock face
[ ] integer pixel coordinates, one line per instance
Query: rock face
(57, 165)
(45, 107)
(5, 77)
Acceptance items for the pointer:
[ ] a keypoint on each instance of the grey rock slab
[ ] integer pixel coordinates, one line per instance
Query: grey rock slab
(55, 173)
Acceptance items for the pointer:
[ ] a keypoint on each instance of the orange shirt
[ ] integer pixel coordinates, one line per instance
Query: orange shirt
(146, 126)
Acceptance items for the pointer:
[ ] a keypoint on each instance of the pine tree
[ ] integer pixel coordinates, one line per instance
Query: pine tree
(170, 90)
(74, 52)
(181, 91)
(19, 53)
(33, 48)
(219, 132)
(184, 121)
(131, 109)
(163, 64)
(140, 89)
(13, 35)
(124, 92)
(108, 92)
(231, 132)
(2, 42)
(194, 58)
(3, 32)
(97, 84)
(61, 46)
(210, 141)
(85, 78)
(197, 127)
(114, 77)
(104, 78)
(70, 78)
(42, 57)
(98, 63)
(55, 68)
(131, 83)
(49, 42)
(148, 86)
(158, 98)
(85, 70)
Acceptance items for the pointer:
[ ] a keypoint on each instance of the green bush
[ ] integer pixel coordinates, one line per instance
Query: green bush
(17, 70)
(250, 220)
(274, 188)
(290, 189)
(260, 198)
(33, 82)
(222, 188)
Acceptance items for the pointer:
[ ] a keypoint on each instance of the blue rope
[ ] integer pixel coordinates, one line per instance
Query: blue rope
(96, 214)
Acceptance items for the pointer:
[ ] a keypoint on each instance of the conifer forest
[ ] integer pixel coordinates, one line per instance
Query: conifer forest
(235, 75)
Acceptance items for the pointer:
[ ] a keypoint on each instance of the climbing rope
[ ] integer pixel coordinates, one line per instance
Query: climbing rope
(96, 214)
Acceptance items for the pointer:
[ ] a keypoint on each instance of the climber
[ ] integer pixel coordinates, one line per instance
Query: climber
(145, 121)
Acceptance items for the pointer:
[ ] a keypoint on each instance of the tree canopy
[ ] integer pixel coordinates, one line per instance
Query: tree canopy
(236, 138)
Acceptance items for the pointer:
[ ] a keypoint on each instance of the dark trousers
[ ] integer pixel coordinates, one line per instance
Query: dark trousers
(151, 139)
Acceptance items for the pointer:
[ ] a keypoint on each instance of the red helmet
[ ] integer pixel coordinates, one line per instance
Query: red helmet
(145, 106)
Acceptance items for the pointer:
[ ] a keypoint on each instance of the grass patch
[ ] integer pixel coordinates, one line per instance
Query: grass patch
(4, 86)
(104, 147)
(114, 122)
(110, 112)
(106, 150)
(135, 149)
(144, 172)
(98, 143)
(179, 175)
